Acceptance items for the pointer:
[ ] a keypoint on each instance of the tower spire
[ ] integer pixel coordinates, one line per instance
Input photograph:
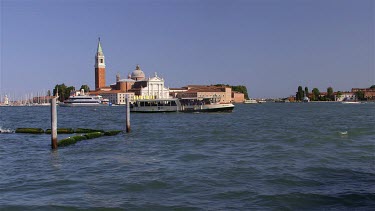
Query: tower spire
(100, 50)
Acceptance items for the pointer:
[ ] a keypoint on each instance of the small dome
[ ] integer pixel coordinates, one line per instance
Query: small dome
(137, 74)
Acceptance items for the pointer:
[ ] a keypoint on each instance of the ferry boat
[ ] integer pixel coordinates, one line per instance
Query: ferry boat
(155, 105)
(180, 105)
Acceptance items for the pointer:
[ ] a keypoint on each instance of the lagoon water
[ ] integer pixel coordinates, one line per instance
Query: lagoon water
(314, 156)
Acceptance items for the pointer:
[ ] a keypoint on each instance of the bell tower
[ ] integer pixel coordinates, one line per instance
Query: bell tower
(99, 68)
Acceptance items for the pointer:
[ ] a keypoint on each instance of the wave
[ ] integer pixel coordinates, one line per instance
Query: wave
(3, 130)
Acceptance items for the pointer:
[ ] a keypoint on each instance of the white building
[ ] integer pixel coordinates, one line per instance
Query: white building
(155, 87)
(118, 98)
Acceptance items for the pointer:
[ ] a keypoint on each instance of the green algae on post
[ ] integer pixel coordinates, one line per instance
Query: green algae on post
(30, 130)
(70, 140)
(62, 131)
(86, 130)
(93, 135)
(112, 132)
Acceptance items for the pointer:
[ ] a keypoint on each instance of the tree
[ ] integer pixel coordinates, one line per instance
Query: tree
(372, 87)
(49, 93)
(330, 93)
(360, 95)
(306, 91)
(316, 94)
(63, 91)
(241, 89)
(85, 87)
(339, 94)
(300, 94)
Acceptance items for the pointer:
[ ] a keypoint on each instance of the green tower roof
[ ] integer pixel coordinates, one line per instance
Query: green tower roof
(100, 47)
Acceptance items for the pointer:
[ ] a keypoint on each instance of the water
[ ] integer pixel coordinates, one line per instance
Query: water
(316, 156)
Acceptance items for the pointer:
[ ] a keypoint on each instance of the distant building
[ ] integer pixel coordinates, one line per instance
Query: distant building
(369, 93)
(345, 96)
(223, 93)
(292, 98)
(173, 92)
(117, 97)
(238, 97)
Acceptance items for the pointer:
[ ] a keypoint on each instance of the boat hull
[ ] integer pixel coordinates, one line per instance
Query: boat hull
(351, 102)
(80, 104)
(155, 109)
(209, 108)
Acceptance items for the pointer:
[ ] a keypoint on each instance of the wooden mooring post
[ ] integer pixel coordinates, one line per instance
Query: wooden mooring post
(127, 114)
(53, 123)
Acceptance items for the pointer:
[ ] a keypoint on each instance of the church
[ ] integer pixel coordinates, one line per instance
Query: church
(136, 85)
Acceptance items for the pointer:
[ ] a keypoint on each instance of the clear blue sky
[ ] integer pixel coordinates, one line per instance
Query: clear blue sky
(271, 46)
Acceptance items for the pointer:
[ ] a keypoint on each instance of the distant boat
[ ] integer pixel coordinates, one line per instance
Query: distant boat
(306, 99)
(262, 101)
(250, 101)
(350, 102)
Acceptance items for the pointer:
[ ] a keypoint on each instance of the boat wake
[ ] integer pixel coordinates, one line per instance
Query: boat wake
(344, 133)
(2, 130)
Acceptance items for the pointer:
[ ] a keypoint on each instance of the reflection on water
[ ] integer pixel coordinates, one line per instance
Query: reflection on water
(55, 160)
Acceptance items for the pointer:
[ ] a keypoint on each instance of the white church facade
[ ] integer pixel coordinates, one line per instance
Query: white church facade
(150, 88)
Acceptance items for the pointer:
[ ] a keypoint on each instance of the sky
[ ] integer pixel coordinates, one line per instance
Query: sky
(270, 46)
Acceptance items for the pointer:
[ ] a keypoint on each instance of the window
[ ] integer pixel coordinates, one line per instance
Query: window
(101, 60)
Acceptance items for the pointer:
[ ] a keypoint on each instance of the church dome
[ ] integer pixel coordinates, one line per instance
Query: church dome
(137, 74)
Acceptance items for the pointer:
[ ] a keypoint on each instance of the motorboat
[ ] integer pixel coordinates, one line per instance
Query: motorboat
(83, 100)
(79, 98)
(250, 101)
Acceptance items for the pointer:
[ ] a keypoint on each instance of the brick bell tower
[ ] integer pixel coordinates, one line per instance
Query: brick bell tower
(99, 68)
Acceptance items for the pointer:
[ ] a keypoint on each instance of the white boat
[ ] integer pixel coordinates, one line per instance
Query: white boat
(250, 101)
(262, 101)
(79, 98)
(305, 99)
(82, 100)
(350, 102)
(204, 105)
